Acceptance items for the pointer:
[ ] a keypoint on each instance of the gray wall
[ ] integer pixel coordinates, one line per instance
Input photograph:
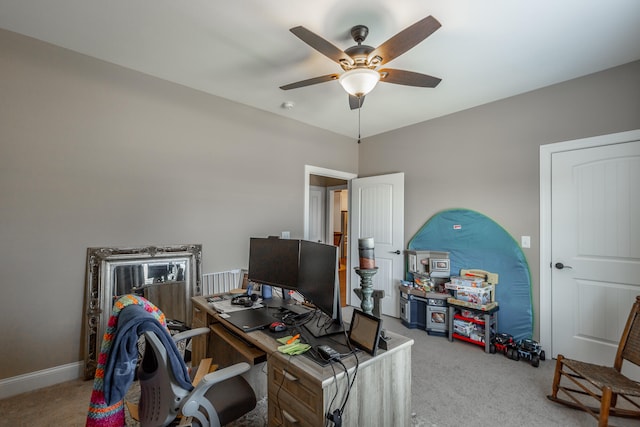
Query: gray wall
(92, 154)
(487, 158)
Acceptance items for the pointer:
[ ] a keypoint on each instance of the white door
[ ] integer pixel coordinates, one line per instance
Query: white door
(377, 210)
(317, 218)
(595, 248)
(335, 206)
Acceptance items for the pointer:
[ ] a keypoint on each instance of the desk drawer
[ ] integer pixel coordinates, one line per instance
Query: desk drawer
(284, 410)
(294, 390)
(199, 318)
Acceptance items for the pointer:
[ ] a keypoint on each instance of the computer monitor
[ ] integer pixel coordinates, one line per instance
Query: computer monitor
(274, 262)
(318, 282)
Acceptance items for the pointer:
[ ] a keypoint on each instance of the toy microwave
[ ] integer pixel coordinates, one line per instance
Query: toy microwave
(437, 267)
(434, 263)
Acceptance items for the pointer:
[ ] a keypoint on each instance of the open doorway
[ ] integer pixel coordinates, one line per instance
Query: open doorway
(326, 216)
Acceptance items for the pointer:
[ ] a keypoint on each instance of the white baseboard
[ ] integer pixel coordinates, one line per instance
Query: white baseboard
(38, 379)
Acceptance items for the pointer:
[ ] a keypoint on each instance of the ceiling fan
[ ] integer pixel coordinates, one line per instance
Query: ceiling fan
(360, 62)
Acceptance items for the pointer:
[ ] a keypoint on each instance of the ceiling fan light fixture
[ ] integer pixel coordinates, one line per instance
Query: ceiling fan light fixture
(360, 81)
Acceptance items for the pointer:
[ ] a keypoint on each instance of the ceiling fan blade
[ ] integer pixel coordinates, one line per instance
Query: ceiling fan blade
(310, 82)
(408, 78)
(321, 45)
(405, 40)
(355, 102)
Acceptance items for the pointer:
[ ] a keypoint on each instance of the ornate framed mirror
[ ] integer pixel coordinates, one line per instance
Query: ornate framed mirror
(168, 276)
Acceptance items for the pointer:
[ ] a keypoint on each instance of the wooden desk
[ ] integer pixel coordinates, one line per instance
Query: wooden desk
(300, 391)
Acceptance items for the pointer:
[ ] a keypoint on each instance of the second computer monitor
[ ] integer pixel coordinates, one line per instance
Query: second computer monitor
(318, 281)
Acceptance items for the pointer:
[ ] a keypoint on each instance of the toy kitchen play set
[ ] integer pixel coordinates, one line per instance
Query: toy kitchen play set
(461, 307)
(423, 297)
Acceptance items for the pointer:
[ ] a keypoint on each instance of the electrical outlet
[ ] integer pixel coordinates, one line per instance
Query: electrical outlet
(285, 235)
(525, 241)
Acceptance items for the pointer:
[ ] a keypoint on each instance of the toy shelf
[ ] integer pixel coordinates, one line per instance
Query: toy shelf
(467, 339)
(469, 319)
(489, 321)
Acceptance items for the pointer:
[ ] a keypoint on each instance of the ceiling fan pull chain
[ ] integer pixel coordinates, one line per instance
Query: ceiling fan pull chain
(359, 108)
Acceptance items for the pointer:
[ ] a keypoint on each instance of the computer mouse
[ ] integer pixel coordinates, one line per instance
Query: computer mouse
(277, 327)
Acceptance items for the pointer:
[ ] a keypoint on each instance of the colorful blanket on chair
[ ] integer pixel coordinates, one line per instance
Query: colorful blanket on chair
(118, 356)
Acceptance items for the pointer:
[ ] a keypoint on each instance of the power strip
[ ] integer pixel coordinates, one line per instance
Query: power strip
(328, 353)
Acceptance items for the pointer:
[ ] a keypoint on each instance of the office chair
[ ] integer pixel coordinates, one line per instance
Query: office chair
(219, 398)
(602, 383)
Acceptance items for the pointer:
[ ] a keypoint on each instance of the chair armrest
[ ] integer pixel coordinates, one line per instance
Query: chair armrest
(189, 334)
(224, 374)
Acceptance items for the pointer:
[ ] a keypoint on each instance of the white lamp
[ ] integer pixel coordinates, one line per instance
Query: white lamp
(359, 81)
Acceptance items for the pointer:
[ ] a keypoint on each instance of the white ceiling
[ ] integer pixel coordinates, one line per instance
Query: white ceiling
(242, 50)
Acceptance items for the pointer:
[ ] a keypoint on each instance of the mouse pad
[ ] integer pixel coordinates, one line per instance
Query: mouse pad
(251, 319)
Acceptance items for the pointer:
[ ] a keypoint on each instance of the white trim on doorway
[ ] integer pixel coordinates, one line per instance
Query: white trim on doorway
(546, 154)
(329, 173)
(315, 170)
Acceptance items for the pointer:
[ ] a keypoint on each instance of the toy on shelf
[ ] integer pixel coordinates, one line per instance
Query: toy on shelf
(473, 289)
(422, 281)
(472, 328)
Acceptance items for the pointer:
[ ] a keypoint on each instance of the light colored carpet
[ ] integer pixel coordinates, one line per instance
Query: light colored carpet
(458, 384)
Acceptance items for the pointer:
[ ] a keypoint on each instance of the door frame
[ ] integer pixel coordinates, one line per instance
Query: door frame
(546, 153)
(329, 173)
(315, 170)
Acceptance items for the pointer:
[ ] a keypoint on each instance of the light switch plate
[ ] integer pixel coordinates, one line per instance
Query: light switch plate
(525, 241)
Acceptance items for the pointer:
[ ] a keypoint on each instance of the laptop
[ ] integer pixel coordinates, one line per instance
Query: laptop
(251, 319)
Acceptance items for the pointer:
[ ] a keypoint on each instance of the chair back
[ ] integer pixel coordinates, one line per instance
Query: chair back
(629, 348)
(160, 393)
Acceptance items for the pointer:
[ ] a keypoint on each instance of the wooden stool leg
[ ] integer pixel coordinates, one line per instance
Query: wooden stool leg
(605, 403)
(556, 377)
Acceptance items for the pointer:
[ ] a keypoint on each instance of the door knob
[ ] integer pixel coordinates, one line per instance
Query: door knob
(397, 252)
(560, 266)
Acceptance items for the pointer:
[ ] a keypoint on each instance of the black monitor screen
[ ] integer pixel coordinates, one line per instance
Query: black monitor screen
(274, 261)
(318, 277)
(365, 331)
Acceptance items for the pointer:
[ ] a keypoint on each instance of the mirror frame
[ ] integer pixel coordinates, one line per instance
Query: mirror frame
(99, 287)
